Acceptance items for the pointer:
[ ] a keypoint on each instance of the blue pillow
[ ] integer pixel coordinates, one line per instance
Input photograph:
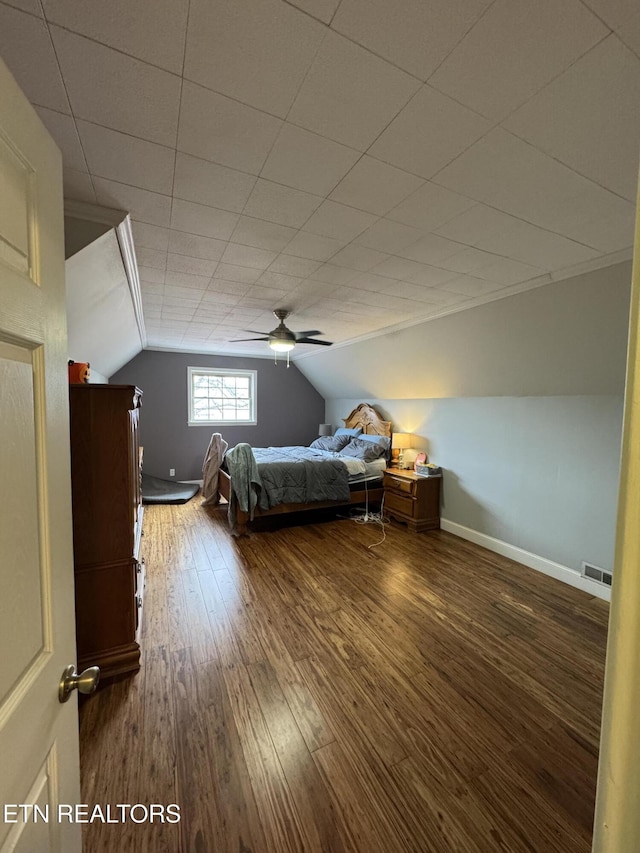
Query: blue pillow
(382, 440)
(352, 432)
(365, 450)
(330, 442)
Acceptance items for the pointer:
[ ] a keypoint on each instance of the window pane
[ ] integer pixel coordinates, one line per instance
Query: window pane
(221, 397)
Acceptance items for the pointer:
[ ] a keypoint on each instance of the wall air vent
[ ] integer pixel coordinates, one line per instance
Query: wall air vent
(595, 573)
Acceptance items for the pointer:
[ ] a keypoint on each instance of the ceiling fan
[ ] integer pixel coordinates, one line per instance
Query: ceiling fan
(282, 339)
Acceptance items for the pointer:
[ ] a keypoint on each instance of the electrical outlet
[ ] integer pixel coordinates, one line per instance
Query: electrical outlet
(172, 472)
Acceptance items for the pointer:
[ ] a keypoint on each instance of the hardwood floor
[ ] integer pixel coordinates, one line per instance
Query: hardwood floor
(302, 692)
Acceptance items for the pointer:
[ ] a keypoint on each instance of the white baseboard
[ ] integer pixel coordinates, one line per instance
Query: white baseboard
(199, 482)
(533, 561)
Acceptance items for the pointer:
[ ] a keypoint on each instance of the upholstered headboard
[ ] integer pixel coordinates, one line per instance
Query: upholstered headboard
(366, 417)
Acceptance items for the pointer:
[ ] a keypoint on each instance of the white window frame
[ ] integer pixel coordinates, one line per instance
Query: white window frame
(252, 375)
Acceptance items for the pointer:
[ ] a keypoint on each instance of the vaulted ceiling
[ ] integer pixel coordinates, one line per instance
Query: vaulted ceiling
(363, 163)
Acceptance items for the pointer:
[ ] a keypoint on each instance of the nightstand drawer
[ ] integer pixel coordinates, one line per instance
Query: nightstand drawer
(399, 503)
(399, 484)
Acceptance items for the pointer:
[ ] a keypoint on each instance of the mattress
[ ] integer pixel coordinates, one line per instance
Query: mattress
(372, 471)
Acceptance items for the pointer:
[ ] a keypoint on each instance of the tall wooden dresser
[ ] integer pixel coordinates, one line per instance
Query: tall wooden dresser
(107, 525)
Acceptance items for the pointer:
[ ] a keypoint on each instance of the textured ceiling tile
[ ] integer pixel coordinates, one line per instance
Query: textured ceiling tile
(208, 183)
(515, 49)
(468, 285)
(412, 34)
(387, 236)
(594, 123)
(154, 32)
(338, 221)
(182, 279)
(333, 274)
(196, 246)
(146, 206)
(151, 275)
(263, 235)
(23, 37)
(349, 95)
(374, 186)
(323, 10)
(507, 173)
(206, 221)
(233, 272)
(307, 161)
(114, 90)
(248, 256)
(429, 133)
(313, 246)
(630, 33)
(63, 129)
(224, 131)
(614, 12)
(429, 207)
(78, 186)
(289, 265)
(152, 258)
(358, 257)
(284, 205)
(506, 271)
(150, 236)
(190, 265)
(126, 159)
(279, 281)
(536, 246)
(430, 249)
(476, 223)
(255, 51)
(594, 217)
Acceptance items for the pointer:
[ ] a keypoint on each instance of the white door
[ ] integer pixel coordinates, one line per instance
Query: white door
(38, 735)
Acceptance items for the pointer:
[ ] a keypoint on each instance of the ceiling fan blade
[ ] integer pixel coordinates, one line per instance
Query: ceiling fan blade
(308, 333)
(242, 340)
(313, 341)
(256, 332)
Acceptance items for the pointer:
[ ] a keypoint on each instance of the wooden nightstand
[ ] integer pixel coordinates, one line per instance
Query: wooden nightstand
(412, 499)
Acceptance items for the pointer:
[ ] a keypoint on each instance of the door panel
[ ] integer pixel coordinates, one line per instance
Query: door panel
(38, 735)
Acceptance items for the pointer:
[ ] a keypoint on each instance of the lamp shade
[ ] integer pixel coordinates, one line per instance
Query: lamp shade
(325, 429)
(401, 440)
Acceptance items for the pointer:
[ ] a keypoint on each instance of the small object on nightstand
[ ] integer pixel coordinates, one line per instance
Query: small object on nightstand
(428, 470)
(412, 499)
(325, 429)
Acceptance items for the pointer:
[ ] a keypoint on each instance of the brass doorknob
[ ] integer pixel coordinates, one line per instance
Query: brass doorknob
(86, 682)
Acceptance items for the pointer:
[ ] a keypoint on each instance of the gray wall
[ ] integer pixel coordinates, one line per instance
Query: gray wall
(289, 409)
(519, 400)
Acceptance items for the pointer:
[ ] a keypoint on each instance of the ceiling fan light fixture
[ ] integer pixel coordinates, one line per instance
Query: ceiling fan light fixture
(281, 346)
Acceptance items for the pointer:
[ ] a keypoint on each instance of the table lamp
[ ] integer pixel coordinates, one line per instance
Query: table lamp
(325, 429)
(400, 441)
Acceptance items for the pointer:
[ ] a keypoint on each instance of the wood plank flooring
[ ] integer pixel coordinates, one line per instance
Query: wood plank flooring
(301, 691)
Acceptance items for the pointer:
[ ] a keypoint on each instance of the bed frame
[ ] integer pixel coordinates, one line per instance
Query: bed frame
(363, 416)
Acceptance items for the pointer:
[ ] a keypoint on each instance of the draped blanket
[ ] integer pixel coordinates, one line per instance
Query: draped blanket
(246, 488)
(211, 465)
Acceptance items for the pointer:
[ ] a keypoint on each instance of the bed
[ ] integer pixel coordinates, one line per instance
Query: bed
(363, 486)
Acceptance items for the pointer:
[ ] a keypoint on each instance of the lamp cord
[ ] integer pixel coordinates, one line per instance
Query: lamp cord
(373, 517)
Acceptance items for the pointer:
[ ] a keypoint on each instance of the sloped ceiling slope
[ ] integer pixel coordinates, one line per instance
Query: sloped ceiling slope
(569, 338)
(361, 163)
(101, 321)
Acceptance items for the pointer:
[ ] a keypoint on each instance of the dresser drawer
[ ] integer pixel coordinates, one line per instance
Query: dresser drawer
(399, 503)
(399, 484)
